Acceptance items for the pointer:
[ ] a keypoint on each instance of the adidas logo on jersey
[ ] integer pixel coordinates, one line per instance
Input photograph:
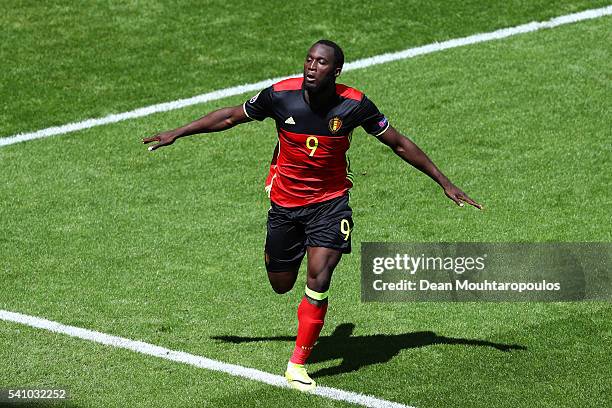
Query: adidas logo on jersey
(290, 121)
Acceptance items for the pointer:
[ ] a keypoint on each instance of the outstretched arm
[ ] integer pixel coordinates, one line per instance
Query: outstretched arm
(215, 121)
(412, 154)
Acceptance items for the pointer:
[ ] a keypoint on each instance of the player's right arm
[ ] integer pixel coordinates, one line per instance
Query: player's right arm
(215, 121)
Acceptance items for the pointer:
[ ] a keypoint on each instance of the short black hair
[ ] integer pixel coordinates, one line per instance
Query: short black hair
(338, 53)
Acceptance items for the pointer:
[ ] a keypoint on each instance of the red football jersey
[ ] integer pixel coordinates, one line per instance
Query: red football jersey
(310, 164)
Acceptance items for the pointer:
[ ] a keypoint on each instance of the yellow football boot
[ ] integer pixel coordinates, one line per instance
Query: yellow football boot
(298, 378)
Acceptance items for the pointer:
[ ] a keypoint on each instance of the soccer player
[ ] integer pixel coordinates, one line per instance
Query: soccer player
(309, 180)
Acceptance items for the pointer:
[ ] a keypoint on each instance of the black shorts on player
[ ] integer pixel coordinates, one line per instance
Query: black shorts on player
(326, 224)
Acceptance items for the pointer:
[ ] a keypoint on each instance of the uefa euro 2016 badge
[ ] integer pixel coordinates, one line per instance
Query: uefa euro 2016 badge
(335, 124)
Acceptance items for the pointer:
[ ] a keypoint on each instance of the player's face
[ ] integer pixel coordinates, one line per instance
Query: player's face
(319, 70)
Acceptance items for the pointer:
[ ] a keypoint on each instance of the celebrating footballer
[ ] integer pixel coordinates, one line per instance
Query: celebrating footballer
(310, 178)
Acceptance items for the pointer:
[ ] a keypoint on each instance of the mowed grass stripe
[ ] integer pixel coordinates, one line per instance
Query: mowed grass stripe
(186, 358)
(359, 64)
(67, 61)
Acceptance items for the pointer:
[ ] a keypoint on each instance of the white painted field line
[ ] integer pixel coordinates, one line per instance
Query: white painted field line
(186, 358)
(359, 64)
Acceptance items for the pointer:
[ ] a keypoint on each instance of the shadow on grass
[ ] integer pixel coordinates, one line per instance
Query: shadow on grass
(361, 351)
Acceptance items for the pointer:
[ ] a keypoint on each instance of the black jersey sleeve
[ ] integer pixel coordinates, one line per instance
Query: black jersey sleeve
(259, 107)
(370, 118)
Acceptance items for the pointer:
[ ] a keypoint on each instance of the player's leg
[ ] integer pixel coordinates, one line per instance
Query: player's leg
(284, 280)
(328, 237)
(313, 307)
(311, 313)
(321, 264)
(284, 249)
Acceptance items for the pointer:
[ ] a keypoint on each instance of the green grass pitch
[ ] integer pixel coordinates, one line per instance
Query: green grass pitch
(166, 247)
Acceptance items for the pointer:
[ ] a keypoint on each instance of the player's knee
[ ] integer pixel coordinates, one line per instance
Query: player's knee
(319, 283)
(282, 281)
(281, 289)
(320, 280)
(284, 284)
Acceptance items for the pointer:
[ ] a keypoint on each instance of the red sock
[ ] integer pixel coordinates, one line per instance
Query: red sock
(310, 323)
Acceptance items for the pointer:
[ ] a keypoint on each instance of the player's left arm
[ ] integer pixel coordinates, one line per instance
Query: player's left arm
(412, 154)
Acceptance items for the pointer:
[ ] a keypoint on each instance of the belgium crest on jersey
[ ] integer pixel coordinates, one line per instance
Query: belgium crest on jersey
(335, 124)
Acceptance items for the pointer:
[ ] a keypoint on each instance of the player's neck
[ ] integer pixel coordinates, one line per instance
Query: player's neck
(322, 98)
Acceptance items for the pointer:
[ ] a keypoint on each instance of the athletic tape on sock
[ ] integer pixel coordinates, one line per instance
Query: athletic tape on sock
(315, 295)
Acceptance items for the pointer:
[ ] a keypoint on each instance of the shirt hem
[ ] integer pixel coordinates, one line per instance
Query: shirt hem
(309, 203)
